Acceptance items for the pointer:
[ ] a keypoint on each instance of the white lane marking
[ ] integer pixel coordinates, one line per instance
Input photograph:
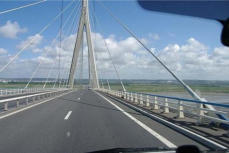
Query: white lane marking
(23, 109)
(152, 132)
(68, 115)
(78, 98)
(179, 127)
(68, 134)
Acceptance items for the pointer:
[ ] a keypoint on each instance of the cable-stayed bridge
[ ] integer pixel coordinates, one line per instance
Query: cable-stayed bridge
(63, 116)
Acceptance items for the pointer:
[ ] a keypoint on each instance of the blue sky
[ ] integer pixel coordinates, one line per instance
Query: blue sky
(142, 22)
(159, 29)
(171, 28)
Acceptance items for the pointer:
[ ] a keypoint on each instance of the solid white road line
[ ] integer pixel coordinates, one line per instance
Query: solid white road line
(179, 127)
(28, 107)
(68, 115)
(152, 132)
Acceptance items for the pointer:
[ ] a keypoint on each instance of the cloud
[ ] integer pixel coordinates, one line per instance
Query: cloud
(154, 36)
(11, 30)
(190, 60)
(31, 42)
(195, 60)
(3, 51)
(37, 50)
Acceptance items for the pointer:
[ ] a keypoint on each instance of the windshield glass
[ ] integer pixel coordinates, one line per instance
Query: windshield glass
(91, 75)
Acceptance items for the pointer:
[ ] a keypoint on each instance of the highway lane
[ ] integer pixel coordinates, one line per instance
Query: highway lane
(80, 121)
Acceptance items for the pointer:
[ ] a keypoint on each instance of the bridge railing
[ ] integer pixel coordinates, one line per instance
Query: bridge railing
(15, 102)
(8, 92)
(182, 107)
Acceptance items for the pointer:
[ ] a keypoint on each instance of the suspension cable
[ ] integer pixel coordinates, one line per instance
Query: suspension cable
(70, 31)
(73, 30)
(60, 43)
(94, 27)
(81, 66)
(101, 80)
(32, 40)
(67, 20)
(190, 91)
(31, 78)
(21, 7)
(41, 63)
(58, 34)
(66, 62)
(65, 69)
(109, 53)
(49, 73)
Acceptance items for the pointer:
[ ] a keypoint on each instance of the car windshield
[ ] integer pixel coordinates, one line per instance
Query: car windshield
(114, 76)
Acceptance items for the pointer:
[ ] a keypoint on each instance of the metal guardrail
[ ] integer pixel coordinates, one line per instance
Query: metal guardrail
(30, 98)
(7, 92)
(183, 107)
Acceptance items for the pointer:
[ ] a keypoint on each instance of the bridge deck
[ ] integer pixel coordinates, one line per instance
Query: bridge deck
(213, 132)
(94, 124)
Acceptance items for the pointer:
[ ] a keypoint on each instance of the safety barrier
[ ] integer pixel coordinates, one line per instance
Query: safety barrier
(182, 107)
(25, 100)
(7, 92)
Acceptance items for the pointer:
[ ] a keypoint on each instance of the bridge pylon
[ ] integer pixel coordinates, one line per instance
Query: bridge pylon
(84, 24)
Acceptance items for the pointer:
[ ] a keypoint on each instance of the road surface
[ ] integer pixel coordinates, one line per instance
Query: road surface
(83, 121)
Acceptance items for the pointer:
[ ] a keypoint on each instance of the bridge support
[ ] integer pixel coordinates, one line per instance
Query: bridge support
(84, 23)
(180, 110)
(136, 98)
(156, 107)
(166, 107)
(141, 99)
(147, 101)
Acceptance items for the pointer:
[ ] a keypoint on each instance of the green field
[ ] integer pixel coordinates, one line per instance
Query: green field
(170, 88)
(216, 87)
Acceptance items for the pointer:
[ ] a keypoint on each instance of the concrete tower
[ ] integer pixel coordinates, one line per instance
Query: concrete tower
(84, 23)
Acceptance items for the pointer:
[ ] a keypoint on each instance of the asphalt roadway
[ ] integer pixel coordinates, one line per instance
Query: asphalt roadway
(83, 121)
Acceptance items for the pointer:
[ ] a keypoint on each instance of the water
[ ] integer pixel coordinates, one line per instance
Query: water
(213, 97)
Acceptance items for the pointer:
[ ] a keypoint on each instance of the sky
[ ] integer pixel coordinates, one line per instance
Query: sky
(189, 46)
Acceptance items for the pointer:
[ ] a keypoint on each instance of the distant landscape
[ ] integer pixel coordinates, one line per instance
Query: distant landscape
(130, 85)
(172, 86)
(217, 91)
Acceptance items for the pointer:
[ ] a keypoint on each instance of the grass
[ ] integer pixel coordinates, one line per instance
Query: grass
(170, 88)
(137, 87)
